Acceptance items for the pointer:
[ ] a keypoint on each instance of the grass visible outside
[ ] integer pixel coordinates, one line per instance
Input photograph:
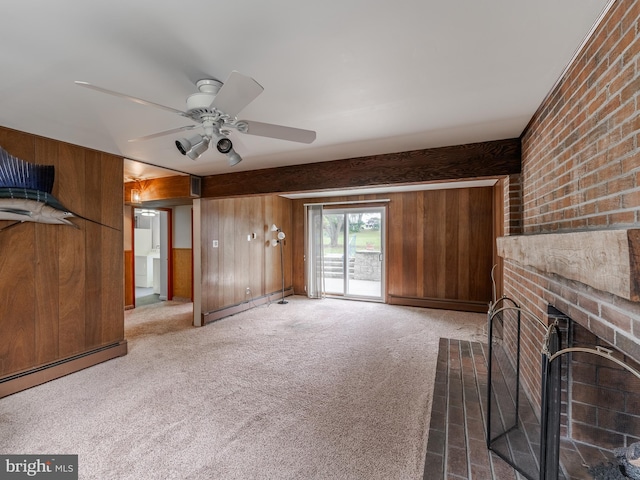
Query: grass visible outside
(364, 238)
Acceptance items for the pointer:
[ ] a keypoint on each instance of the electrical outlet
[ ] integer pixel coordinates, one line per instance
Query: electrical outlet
(248, 291)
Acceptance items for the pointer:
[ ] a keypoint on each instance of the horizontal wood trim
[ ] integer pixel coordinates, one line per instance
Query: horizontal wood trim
(476, 160)
(161, 191)
(232, 310)
(458, 305)
(37, 376)
(608, 260)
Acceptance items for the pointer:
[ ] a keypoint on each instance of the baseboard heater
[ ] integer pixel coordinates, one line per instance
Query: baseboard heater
(440, 303)
(214, 315)
(38, 375)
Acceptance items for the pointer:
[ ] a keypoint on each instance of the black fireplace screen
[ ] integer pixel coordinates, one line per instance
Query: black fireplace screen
(513, 429)
(550, 406)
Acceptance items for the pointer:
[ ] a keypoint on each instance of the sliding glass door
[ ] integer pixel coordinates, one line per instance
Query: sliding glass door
(353, 252)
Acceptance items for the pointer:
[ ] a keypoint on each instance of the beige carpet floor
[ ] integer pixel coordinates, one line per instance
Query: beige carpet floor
(315, 389)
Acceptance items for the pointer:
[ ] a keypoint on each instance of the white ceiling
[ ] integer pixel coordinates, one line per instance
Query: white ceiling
(369, 76)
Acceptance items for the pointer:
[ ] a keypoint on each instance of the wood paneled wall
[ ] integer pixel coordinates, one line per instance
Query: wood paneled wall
(182, 281)
(237, 262)
(439, 246)
(61, 288)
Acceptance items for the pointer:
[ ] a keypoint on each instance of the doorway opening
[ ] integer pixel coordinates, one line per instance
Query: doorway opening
(353, 252)
(151, 253)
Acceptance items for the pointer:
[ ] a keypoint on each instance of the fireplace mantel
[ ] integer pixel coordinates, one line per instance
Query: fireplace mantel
(608, 260)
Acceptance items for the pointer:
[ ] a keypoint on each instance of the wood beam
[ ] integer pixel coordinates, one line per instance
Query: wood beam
(475, 160)
(159, 192)
(608, 260)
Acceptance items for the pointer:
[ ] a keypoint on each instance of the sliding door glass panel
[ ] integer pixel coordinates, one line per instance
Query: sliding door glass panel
(364, 253)
(354, 252)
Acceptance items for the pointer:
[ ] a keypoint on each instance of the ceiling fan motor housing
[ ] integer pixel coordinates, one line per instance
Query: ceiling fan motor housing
(200, 103)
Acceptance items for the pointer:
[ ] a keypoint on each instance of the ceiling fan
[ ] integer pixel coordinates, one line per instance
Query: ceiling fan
(214, 108)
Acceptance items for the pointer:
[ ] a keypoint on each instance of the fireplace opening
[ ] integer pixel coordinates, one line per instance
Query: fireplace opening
(600, 402)
(587, 422)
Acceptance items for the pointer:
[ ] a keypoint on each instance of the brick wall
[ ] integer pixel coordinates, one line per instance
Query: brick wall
(580, 150)
(580, 171)
(513, 205)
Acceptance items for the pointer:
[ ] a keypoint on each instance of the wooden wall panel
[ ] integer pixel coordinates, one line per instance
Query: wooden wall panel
(47, 300)
(482, 236)
(283, 215)
(208, 268)
(411, 256)
(435, 262)
(256, 225)
(93, 285)
(228, 251)
(73, 254)
(112, 190)
(17, 298)
(451, 224)
(439, 245)
(238, 262)
(112, 298)
(395, 241)
(272, 278)
(62, 287)
(93, 258)
(212, 270)
(464, 244)
(242, 249)
(182, 281)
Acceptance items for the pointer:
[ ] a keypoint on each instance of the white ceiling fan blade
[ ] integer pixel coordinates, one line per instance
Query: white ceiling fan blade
(278, 131)
(166, 132)
(129, 97)
(236, 93)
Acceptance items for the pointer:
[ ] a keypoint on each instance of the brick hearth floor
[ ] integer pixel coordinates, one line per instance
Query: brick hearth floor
(457, 448)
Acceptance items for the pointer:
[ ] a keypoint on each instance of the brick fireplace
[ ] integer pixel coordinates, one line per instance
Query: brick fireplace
(603, 406)
(570, 224)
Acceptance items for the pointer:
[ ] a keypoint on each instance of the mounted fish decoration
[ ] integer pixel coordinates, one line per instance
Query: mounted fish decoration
(25, 194)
